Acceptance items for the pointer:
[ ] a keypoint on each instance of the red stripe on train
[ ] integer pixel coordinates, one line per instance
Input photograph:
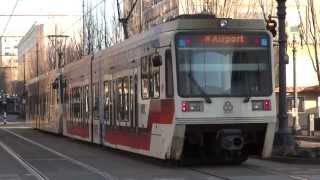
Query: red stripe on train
(135, 140)
(161, 112)
(82, 132)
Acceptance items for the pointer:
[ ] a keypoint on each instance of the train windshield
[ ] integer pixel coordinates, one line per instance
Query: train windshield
(223, 65)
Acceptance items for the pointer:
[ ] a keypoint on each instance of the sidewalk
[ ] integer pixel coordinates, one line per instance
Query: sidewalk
(15, 121)
(307, 151)
(315, 138)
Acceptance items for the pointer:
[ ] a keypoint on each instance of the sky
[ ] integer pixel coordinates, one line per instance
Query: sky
(72, 23)
(20, 25)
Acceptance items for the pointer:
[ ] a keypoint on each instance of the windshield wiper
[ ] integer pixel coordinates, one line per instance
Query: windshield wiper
(203, 93)
(246, 99)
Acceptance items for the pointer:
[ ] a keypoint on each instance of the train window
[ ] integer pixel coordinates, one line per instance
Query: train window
(125, 99)
(122, 99)
(133, 101)
(65, 94)
(76, 106)
(83, 106)
(115, 102)
(86, 105)
(154, 80)
(96, 101)
(118, 98)
(169, 73)
(111, 102)
(79, 105)
(145, 86)
(150, 79)
(71, 106)
(106, 101)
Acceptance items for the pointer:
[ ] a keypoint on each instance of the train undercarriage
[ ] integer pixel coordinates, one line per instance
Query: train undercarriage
(222, 143)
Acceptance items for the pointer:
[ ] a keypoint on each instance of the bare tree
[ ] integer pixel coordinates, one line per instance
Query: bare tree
(223, 8)
(309, 33)
(73, 50)
(124, 20)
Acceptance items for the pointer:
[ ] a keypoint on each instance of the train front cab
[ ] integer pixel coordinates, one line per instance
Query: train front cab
(224, 103)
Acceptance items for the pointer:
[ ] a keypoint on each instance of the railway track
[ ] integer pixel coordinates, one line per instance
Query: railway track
(218, 175)
(11, 141)
(39, 150)
(31, 169)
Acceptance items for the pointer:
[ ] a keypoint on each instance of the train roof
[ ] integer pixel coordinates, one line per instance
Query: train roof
(180, 23)
(187, 23)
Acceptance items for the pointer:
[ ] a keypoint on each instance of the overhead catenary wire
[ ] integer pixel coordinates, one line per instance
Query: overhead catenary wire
(85, 14)
(37, 15)
(9, 19)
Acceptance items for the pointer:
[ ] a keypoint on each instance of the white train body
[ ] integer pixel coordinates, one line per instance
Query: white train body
(189, 88)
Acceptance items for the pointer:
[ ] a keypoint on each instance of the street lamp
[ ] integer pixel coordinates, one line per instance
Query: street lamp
(284, 140)
(295, 110)
(58, 43)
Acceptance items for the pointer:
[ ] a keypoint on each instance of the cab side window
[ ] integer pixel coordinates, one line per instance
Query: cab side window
(145, 83)
(169, 74)
(150, 79)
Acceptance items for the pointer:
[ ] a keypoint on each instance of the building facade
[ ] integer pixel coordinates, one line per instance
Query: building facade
(31, 54)
(148, 13)
(8, 64)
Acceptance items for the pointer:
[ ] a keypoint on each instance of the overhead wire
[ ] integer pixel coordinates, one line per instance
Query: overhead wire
(79, 19)
(9, 19)
(16, 4)
(38, 15)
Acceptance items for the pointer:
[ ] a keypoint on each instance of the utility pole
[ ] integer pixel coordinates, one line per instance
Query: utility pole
(38, 86)
(295, 109)
(284, 138)
(83, 29)
(24, 95)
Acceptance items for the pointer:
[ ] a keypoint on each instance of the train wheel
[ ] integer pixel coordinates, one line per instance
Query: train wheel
(234, 157)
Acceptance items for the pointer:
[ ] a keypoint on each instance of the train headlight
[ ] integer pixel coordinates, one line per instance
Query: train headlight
(192, 106)
(223, 23)
(261, 105)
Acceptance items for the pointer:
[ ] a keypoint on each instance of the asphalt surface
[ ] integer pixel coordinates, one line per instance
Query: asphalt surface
(30, 154)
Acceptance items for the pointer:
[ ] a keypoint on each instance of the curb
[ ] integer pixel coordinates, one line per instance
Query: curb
(15, 124)
(295, 160)
(309, 139)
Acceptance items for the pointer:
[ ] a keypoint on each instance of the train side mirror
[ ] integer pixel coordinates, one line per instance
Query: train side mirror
(156, 60)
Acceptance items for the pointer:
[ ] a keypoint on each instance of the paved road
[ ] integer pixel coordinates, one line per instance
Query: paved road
(30, 154)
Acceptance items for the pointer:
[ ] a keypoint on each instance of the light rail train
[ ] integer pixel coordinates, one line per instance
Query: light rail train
(192, 88)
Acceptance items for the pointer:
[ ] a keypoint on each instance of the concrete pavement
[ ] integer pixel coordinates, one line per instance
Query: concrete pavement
(58, 157)
(29, 154)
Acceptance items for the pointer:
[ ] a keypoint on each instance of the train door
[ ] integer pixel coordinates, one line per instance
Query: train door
(95, 113)
(37, 105)
(145, 91)
(125, 98)
(122, 102)
(120, 106)
(150, 88)
(133, 102)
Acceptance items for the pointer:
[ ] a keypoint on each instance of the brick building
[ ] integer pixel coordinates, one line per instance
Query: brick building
(148, 13)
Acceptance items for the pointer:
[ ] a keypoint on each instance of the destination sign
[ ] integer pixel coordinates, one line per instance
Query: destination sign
(217, 40)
